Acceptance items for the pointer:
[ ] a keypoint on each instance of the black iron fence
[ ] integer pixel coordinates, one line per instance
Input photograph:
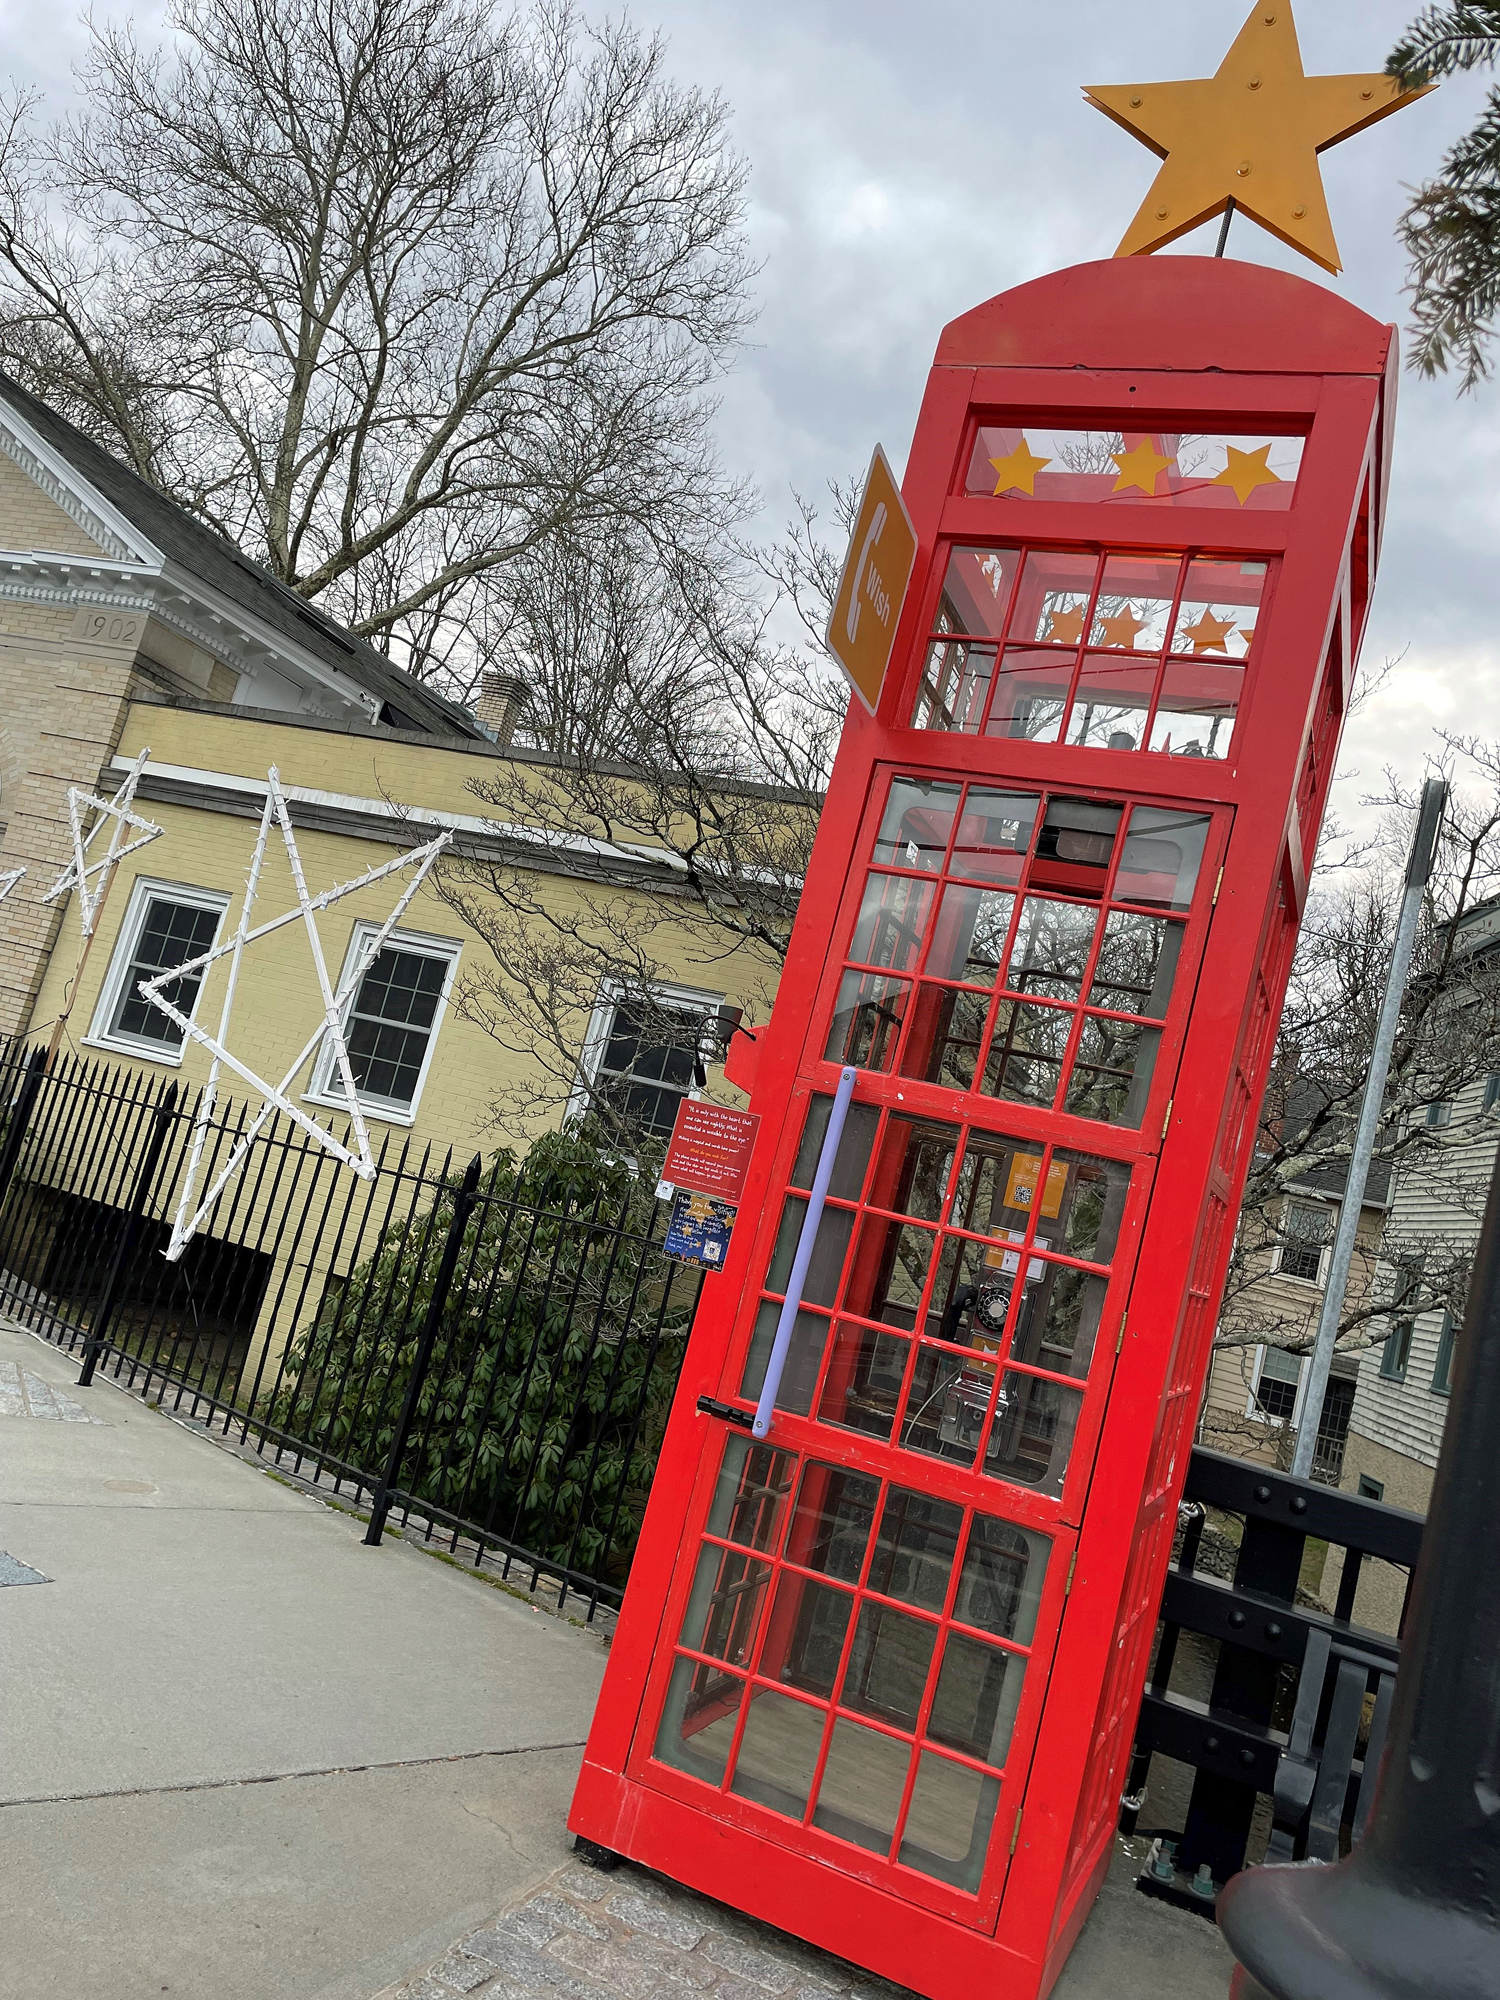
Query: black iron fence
(487, 1354)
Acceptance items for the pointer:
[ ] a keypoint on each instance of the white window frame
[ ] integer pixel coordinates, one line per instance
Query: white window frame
(611, 993)
(145, 890)
(320, 1090)
(1325, 1249)
(1253, 1409)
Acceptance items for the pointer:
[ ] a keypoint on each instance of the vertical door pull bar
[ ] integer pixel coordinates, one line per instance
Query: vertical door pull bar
(791, 1305)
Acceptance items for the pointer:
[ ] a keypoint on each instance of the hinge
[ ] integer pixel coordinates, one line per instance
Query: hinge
(1072, 1565)
(1218, 884)
(1015, 1832)
(1120, 1337)
(1168, 1119)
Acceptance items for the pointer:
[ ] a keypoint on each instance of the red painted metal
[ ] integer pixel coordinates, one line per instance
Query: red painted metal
(878, 1685)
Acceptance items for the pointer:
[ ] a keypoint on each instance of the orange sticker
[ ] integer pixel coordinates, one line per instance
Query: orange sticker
(1020, 1189)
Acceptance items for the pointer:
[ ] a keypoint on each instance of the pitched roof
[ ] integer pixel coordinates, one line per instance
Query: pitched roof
(190, 546)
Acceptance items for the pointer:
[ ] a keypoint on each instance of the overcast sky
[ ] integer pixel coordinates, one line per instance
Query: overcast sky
(909, 161)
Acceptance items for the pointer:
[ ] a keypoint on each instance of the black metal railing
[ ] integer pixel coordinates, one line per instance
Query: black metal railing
(486, 1354)
(1263, 1711)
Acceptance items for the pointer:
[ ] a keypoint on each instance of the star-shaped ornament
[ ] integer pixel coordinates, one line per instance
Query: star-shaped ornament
(1141, 467)
(1065, 628)
(92, 878)
(1249, 134)
(1245, 470)
(1120, 630)
(191, 1209)
(9, 880)
(1016, 473)
(1209, 634)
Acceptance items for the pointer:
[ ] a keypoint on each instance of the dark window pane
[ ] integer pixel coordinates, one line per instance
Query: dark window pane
(915, 1548)
(171, 934)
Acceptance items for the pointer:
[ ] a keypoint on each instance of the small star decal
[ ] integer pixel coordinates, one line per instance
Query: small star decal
(1209, 634)
(1245, 471)
(1017, 471)
(1122, 628)
(1066, 627)
(1141, 467)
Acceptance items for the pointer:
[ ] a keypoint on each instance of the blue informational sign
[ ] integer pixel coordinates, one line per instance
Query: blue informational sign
(698, 1232)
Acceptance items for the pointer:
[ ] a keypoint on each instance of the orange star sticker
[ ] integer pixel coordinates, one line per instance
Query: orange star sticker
(1066, 627)
(1249, 134)
(1245, 470)
(1121, 629)
(1210, 634)
(1141, 467)
(1018, 470)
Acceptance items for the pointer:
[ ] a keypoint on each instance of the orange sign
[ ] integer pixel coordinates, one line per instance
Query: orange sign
(1020, 1189)
(877, 569)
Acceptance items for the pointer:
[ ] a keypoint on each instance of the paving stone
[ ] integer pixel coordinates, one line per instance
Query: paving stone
(589, 1885)
(533, 1925)
(655, 1917)
(530, 1970)
(759, 1967)
(674, 1963)
(565, 1916)
(618, 1966)
(425, 1989)
(462, 1973)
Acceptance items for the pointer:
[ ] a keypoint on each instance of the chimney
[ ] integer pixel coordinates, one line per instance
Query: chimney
(501, 704)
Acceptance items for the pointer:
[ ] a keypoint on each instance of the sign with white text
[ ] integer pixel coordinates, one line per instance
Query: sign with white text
(877, 570)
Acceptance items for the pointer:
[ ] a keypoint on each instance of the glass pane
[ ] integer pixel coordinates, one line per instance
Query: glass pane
(916, 1161)
(1033, 1432)
(831, 1524)
(976, 592)
(889, 1272)
(1111, 701)
(971, 1299)
(945, 1412)
(968, 940)
(997, 1186)
(804, 1357)
(725, 1604)
(1111, 1076)
(917, 821)
(947, 1033)
(1136, 468)
(863, 1384)
(994, 835)
(1053, 600)
(1059, 1319)
(697, 1720)
(974, 1704)
(915, 1548)
(1135, 602)
(1031, 694)
(1137, 963)
(888, 1662)
(853, 1154)
(1051, 949)
(892, 922)
(753, 1483)
(805, 1637)
(1075, 846)
(863, 1781)
(1088, 1204)
(948, 1827)
(778, 1752)
(1026, 1051)
(1000, 1586)
(1196, 708)
(1219, 608)
(835, 1225)
(1162, 858)
(955, 685)
(867, 1020)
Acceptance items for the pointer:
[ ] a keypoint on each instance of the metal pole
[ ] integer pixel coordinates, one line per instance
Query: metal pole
(161, 1123)
(1418, 870)
(792, 1303)
(463, 1208)
(1414, 1912)
(1224, 232)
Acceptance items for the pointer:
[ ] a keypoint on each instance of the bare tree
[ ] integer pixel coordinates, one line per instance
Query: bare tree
(392, 292)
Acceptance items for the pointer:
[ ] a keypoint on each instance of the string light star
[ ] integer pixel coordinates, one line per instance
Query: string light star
(1017, 471)
(1251, 134)
(192, 1210)
(9, 880)
(1245, 470)
(1122, 628)
(1066, 627)
(1141, 468)
(1209, 634)
(92, 878)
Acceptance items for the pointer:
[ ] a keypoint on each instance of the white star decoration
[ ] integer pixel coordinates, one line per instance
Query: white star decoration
(80, 871)
(335, 1004)
(9, 880)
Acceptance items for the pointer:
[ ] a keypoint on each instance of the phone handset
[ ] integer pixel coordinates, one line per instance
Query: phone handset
(872, 536)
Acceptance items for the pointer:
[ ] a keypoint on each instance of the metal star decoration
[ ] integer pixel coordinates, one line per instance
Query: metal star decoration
(192, 1210)
(80, 871)
(1249, 134)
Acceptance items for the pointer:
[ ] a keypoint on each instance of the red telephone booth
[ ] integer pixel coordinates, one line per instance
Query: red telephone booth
(876, 1676)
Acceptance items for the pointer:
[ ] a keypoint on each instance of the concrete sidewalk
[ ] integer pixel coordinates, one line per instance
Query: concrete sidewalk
(243, 1757)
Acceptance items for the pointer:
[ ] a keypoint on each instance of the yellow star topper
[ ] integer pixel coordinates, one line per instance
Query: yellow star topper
(1250, 134)
(1017, 471)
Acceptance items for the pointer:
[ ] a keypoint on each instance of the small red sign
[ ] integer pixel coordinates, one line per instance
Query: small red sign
(710, 1148)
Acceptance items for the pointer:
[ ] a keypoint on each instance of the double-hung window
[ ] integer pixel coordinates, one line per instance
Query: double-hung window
(165, 925)
(1305, 1232)
(1277, 1381)
(643, 1054)
(390, 1023)
(1405, 1296)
